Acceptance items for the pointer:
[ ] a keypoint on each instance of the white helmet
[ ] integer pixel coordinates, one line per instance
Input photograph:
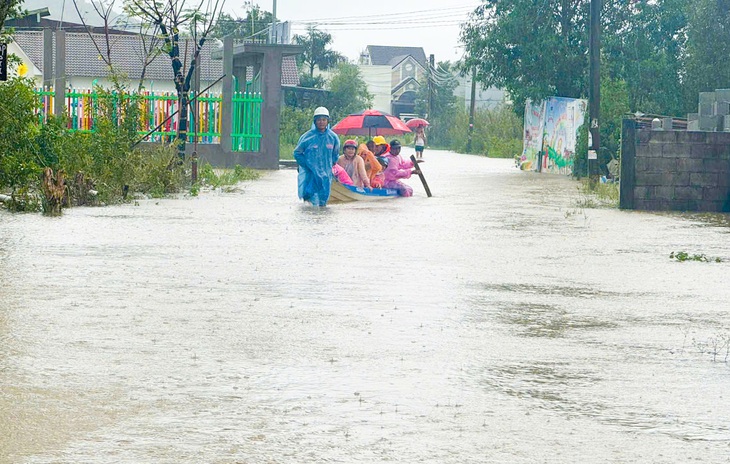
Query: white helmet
(322, 111)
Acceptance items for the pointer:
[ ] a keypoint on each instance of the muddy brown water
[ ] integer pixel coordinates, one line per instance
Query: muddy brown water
(497, 322)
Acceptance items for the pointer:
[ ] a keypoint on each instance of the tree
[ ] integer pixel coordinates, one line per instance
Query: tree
(171, 16)
(644, 46)
(316, 52)
(539, 49)
(256, 23)
(531, 49)
(8, 9)
(437, 102)
(708, 46)
(348, 92)
(148, 36)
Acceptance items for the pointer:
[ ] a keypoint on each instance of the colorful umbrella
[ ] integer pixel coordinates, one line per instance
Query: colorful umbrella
(417, 122)
(370, 122)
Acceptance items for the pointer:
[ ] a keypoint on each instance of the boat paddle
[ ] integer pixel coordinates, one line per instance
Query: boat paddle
(418, 171)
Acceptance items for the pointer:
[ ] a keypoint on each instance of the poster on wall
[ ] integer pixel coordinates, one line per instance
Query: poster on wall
(559, 119)
(532, 139)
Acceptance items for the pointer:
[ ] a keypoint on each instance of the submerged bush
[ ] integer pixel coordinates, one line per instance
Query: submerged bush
(20, 166)
(99, 167)
(209, 177)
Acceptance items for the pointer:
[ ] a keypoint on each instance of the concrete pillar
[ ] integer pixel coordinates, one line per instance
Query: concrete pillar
(47, 57)
(59, 99)
(271, 94)
(227, 95)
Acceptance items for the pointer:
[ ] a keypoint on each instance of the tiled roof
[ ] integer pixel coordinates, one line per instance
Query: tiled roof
(82, 58)
(385, 55)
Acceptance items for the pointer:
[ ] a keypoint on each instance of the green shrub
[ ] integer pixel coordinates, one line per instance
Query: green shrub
(20, 165)
(294, 122)
(497, 132)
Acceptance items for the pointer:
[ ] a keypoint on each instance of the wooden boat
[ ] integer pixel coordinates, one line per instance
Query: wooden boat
(340, 193)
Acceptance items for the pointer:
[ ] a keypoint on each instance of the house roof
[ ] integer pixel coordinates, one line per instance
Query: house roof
(387, 55)
(399, 59)
(403, 84)
(82, 58)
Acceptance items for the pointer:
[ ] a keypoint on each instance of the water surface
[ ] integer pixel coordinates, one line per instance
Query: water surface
(495, 322)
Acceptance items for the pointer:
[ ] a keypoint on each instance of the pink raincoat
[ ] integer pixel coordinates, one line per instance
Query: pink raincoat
(341, 175)
(397, 169)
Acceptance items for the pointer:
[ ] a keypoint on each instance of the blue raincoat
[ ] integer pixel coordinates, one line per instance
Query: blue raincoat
(316, 153)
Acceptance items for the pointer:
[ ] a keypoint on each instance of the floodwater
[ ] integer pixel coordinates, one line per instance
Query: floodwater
(497, 322)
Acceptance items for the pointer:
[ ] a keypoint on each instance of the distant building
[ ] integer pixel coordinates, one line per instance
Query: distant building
(393, 76)
(484, 98)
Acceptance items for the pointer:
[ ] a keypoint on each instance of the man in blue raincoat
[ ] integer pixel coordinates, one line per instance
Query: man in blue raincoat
(316, 152)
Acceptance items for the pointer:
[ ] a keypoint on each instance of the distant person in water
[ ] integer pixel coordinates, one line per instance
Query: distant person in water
(420, 141)
(316, 153)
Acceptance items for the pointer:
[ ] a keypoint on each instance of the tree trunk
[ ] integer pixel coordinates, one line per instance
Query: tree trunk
(182, 126)
(54, 189)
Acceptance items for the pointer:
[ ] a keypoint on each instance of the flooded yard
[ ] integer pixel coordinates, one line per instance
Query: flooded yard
(496, 322)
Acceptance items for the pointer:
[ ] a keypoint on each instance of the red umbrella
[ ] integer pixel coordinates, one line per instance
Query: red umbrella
(417, 122)
(370, 122)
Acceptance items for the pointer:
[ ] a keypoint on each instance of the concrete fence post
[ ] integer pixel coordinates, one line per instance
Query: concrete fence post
(628, 164)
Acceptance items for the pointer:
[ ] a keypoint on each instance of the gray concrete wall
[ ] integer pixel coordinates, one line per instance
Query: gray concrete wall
(674, 170)
(219, 158)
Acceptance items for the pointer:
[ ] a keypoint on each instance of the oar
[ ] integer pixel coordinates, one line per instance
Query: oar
(417, 168)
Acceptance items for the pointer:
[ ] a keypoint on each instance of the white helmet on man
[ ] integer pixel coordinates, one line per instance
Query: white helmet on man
(322, 111)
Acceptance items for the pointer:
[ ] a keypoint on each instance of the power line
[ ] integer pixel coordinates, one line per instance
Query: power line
(391, 16)
(389, 21)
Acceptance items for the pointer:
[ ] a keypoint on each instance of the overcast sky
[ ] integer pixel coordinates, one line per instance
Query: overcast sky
(354, 24)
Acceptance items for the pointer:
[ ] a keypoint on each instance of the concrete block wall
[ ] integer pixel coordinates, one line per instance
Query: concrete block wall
(713, 112)
(674, 170)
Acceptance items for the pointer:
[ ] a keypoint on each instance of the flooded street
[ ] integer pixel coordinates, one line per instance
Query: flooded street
(496, 322)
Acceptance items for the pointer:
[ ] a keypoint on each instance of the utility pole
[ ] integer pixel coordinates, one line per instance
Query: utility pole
(472, 106)
(431, 77)
(272, 34)
(594, 96)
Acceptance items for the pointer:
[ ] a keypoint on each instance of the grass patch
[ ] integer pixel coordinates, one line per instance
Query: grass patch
(594, 194)
(220, 178)
(286, 151)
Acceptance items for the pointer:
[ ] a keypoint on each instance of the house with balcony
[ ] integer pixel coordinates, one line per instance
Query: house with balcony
(393, 75)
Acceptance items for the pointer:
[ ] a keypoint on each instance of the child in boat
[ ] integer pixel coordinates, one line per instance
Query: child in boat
(372, 166)
(397, 169)
(379, 179)
(353, 165)
(341, 175)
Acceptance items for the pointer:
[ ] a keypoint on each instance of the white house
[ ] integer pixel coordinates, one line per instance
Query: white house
(393, 76)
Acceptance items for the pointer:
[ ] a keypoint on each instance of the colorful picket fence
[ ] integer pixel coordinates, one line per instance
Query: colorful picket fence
(204, 116)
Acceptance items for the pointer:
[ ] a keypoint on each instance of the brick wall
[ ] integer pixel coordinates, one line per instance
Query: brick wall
(674, 170)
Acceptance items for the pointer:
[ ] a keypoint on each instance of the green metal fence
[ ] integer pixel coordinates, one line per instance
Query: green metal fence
(83, 107)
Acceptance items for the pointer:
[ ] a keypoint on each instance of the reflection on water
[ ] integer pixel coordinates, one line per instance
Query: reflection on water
(494, 322)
